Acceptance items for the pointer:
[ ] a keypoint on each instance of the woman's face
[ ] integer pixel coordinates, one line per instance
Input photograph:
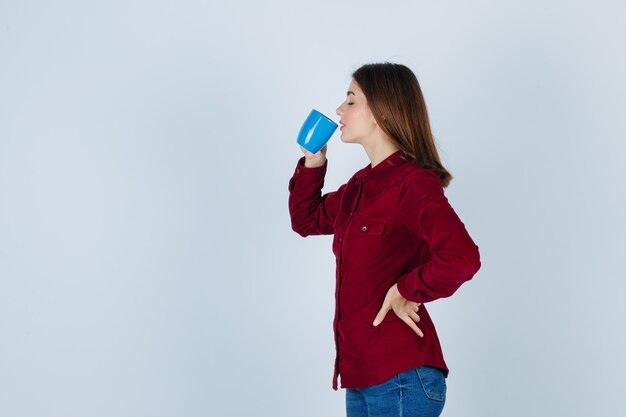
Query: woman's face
(357, 121)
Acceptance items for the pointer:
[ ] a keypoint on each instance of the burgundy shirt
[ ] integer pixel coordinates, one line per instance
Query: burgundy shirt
(391, 224)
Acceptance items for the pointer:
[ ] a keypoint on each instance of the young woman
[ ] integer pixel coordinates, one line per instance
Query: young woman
(398, 244)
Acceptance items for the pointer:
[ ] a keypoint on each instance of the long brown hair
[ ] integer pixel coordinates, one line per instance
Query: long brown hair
(395, 98)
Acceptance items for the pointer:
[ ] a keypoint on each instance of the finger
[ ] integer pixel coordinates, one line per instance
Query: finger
(412, 325)
(382, 313)
(413, 315)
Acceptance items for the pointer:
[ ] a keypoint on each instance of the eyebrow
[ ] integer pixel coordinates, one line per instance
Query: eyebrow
(350, 92)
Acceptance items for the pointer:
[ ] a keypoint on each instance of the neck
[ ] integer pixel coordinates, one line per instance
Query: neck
(379, 151)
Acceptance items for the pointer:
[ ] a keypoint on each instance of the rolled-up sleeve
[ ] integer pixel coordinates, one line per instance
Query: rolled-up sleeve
(455, 258)
(311, 212)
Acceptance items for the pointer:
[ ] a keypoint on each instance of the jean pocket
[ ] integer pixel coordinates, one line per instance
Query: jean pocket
(433, 381)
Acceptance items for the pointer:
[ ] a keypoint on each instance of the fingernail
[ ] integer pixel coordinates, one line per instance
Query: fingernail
(375, 322)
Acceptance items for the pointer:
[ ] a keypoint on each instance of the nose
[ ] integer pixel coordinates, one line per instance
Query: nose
(339, 111)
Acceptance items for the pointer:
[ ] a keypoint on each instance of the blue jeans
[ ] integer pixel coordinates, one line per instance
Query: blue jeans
(418, 392)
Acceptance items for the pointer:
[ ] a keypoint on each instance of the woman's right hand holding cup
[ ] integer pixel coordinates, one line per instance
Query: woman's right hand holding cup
(314, 160)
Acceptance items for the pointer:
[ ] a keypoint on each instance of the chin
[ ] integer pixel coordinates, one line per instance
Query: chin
(345, 140)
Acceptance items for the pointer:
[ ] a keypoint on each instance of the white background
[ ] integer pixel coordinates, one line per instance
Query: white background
(147, 264)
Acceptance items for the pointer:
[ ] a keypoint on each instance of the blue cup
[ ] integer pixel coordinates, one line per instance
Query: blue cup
(316, 131)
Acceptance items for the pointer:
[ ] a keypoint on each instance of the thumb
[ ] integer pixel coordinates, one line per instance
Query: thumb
(381, 313)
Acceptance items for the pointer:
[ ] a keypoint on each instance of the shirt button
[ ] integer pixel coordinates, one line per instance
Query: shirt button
(297, 171)
(364, 228)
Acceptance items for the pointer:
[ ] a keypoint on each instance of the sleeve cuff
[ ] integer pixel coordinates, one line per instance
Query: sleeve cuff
(309, 171)
(311, 174)
(404, 291)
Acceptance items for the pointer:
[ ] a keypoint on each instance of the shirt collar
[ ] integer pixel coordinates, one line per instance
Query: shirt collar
(383, 167)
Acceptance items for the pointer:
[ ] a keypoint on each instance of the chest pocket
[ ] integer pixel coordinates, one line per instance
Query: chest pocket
(363, 241)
